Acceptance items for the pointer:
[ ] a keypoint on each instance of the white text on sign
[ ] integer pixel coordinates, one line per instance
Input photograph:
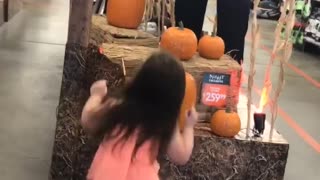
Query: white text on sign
(214, 78)
(214, 97)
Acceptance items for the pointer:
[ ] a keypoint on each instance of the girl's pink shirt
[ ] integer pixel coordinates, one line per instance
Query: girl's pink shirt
(117, 164)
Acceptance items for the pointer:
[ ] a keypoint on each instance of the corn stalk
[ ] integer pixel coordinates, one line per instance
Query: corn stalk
(277, 46)
(285, 46)
(255, 41)
(162, 8)
(148, 12)
(172, 13)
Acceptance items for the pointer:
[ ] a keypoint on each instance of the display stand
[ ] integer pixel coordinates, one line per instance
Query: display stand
(213, 157)
(239, 158)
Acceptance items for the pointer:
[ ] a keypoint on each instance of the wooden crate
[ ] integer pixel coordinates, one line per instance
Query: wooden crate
(102, 32)
(134, 57)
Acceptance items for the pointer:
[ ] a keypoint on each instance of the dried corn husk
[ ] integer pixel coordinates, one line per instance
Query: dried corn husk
(254, 46)
(172, 13)
(148, 13)
(286, 47)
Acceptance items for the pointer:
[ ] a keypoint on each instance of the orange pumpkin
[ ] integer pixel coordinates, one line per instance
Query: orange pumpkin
(189, 100)
(180, 42)
(211, 47)
(125, 13)
(225, 123)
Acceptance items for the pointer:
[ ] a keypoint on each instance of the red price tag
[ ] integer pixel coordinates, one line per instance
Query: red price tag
(215, 87)
(214, 95)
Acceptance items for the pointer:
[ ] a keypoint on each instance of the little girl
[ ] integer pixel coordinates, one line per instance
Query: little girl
(141, 124)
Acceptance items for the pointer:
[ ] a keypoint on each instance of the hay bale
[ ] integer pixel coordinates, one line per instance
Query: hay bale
(134, 57)
(222, 158)
(236, 158)
(102, 32)
(213, 157)
(73, 151)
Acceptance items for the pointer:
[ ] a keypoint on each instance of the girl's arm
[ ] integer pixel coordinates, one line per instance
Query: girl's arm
(95, 107)
(91, 113)
(181, 145)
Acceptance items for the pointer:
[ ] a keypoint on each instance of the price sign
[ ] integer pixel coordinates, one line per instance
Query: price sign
(214, 89)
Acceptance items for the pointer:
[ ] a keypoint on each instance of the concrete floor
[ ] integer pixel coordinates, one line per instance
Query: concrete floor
(32, 48)
(31, 58)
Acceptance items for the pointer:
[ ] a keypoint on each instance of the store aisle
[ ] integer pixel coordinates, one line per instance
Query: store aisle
(299, 102)
(298, 119)
(299, 105)
(32, 48)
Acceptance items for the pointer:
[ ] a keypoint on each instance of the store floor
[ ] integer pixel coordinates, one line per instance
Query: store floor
(31, 58)
(32, 46)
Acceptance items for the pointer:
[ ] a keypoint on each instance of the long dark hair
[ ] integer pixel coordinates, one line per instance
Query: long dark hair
(150, 103)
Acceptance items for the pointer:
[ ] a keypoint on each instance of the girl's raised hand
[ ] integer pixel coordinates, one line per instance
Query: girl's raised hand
(191, 117)
(99, 88)
(181, 144)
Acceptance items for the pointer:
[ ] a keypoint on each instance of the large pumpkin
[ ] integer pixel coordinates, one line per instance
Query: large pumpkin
(211, 47)
(225, 123)
(180, 42)
(125, 13)
(189, 100)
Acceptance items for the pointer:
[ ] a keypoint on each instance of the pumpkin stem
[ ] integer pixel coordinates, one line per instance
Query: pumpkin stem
(213, 34)
(228, 109)
(181, 26)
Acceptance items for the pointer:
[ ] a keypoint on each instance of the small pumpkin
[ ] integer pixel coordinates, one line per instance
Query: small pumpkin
(189, 100)
(180, 42)
(225, 123)
(211, 47)
(125, 13)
